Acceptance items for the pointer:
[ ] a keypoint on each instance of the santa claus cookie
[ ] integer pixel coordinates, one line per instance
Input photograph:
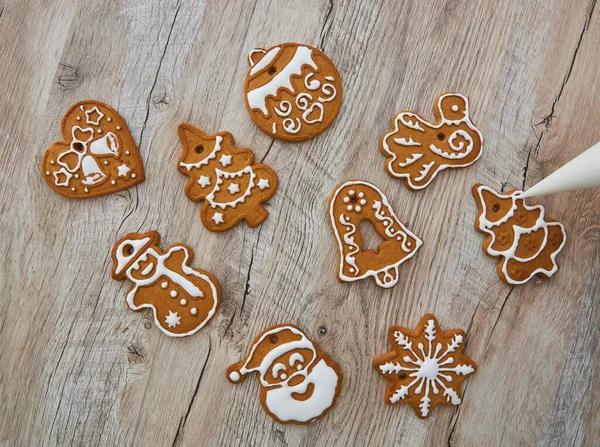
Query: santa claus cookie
(526, 241)
(298, 382)
(353, 202)
(293, 92)
(425, 367)
(98, 155)
(232, 187)
(416, 150)
(183, 299)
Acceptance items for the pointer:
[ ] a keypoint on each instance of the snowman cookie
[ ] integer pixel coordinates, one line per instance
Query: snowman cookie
(298, 382)
(425, 367)
(98, 155)
(416, 150)
(524, 239)
(183, 299)
(232, 187)
(293, 91)
(353, 202)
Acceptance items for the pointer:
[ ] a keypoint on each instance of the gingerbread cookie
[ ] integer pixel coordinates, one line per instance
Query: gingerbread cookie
(98, 155)
(293, 92)
(526, 241)
(232, 186)
(416, 150)
(425, 367)
(298, 382)
(353, 202)
(183, 299)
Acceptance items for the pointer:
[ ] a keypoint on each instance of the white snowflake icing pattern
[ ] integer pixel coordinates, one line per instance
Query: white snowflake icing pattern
(427, 367)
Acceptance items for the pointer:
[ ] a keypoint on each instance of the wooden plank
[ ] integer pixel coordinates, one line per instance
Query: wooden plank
(77, 367)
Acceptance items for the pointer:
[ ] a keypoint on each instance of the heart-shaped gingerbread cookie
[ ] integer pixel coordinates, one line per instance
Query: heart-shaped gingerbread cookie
(98, 155)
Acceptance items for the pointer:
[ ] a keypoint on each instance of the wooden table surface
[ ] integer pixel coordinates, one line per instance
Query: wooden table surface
(78, 368)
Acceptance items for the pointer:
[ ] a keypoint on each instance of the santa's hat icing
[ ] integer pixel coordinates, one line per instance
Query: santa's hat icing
(267, 347)
(129, 248)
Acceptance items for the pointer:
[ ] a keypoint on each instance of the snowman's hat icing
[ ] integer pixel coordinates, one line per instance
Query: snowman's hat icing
(129, 248)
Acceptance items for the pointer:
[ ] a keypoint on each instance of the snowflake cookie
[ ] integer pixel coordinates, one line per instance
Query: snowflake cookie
(183, 299)
(525, 240)
(416, 150)
(425, 367)
(98, 155)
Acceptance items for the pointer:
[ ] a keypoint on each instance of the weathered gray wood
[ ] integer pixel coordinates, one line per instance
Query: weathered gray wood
(77, 367)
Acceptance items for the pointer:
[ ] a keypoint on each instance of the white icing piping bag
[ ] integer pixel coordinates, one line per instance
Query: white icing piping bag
(580, 173)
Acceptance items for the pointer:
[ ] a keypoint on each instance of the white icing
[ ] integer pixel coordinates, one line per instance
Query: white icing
(310, 110)
(279, 396)
(183, 301)
(233, 188)
(218, 218)
(486, 226)
(91, 171)
(107, 145)
(99, 115)
(263, 183)
(329, 91)
(257, 97)
(221, 176)
(225, 160)
(291, 126)
(123, 170)
(284, 108)
(402, 118)
(206, 160)
(427, 365)
(264, 61)
(173, 293)
(303, 100)
(410, 160)
(172, 319)
(204, 181)
(184, 281)
(393, 228)
(274, 128)
(311, 85)
(409, 142)
(424, 171)
(64, 172)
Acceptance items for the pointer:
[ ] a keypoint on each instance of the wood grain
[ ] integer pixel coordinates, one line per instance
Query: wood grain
(78, 368)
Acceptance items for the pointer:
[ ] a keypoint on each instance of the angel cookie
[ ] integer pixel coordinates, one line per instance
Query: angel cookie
(425, 367)
(293, 92)
(232, 187)
(416, 150)
(298, 382)
(98, 155)
(183, 299)
(353, 202)
(524, 239)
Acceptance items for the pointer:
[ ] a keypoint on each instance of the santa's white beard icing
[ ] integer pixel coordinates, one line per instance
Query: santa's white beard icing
(282, 404)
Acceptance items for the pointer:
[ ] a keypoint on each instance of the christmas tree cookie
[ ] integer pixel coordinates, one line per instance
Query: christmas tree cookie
(293, 92)
(183, 299)
(524, 239)
(416, 150)
(353, 202)
(232, 187)
(98, 155)
(298, 382)
(425, 367)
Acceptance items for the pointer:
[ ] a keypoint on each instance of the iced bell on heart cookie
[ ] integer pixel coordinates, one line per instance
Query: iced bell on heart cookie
(293, 92)
(299, 383)
(353, 202)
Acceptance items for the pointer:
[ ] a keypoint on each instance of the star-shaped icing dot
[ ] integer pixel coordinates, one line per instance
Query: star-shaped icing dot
(123, 170)
(218, 218)
(172, 319)
(93, 116)
(263, 183)
(204, 181)
(225, 160)
(233, 188)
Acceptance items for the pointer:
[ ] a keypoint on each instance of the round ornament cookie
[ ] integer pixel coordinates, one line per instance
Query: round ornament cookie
(293, 91)
(299, 383)
(98, 155)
